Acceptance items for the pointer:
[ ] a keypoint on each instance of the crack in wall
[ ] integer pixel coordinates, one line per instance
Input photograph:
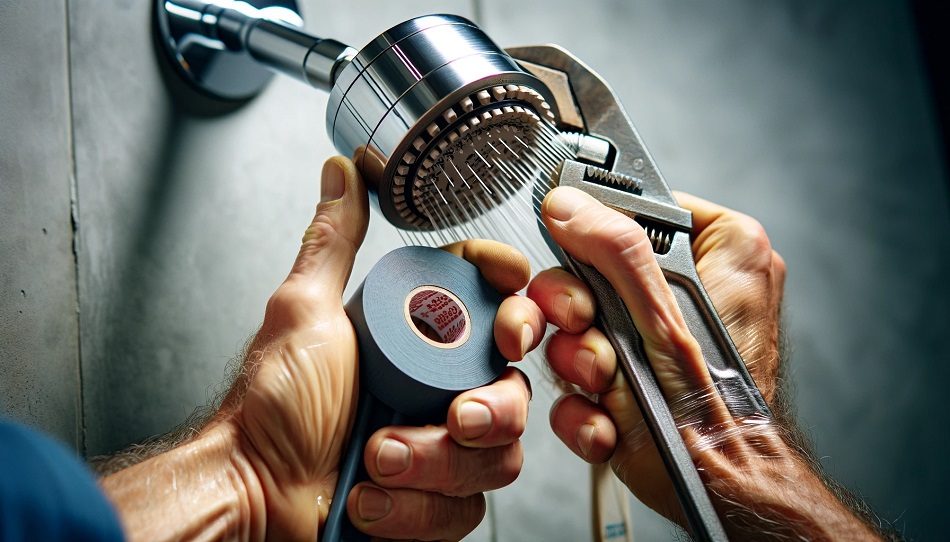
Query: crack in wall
(74, 223)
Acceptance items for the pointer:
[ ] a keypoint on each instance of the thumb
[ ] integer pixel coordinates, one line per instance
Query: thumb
(330, 243)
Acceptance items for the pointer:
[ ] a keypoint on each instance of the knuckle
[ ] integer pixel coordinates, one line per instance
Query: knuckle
(461, 516)
(455, 474)
(753, 235)
(282, 298)
(778, 263)
(295, 303)
(449, 518)
(435, 513)
(524, 382)
(751, 229)
(320, 232)
(512, 464)
(631, 246)
(683, 344)
(477, 506)
(323, 232)
(673, 341)
(518, 423)
(621, 240)
(285, 304)
(616, 234)
(513, 409)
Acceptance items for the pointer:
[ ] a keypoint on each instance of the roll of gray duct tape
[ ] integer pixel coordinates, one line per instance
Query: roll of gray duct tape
(424, 319)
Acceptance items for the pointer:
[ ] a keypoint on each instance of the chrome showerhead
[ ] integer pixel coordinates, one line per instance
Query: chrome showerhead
(420, 109)
(424, 109)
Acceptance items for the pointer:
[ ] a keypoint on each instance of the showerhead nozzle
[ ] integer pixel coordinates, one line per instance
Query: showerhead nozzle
(425, 108)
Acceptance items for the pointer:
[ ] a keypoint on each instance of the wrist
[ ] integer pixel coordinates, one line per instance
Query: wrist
(201, 489)
(250, 504)
(281, 501)
(781, 497)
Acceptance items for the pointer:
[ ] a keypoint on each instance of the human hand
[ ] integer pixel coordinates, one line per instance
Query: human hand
(434, 476)
(759, 483)
(266, 465)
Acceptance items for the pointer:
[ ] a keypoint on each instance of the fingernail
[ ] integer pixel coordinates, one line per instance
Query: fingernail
(562, 204)
(527, 338)
(373, 504)
(585, 438)
(584, 365)
(332, 183)
(392, 458)
(562, 308)
(474, 419)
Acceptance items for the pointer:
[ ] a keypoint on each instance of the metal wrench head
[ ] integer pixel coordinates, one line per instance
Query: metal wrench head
(623, 193)
(587, 104)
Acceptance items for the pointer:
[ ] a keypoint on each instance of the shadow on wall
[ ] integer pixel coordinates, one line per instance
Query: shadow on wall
(140, 251)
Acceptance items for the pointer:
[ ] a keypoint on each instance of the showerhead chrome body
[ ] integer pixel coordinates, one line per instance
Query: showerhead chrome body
(410, 106)
(415, 109)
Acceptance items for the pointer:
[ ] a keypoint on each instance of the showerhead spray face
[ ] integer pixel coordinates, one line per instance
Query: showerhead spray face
(424, 108)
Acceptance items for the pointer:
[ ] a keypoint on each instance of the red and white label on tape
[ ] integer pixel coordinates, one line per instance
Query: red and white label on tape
(437, 316)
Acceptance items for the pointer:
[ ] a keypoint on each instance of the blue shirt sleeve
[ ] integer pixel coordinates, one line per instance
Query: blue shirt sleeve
(46, 493)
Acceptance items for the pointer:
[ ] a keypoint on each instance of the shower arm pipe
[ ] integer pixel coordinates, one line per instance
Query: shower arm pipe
(273, 42)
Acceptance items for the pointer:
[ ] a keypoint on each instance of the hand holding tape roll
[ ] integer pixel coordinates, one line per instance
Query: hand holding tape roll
(424, 319)
(265, 465)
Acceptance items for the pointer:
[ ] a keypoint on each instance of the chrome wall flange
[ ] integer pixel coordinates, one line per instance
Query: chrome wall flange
(213, 64)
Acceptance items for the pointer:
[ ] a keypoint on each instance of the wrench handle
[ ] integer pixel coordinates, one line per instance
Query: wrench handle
(615, 321)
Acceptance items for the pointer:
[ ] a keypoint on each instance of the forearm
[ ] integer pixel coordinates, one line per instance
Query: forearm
(768, 486)
(849, 509)
(201, 490)
(848, 506)
(783, 499)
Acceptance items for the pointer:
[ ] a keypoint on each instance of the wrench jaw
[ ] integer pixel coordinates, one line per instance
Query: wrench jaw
(587, 104)
(624, 193)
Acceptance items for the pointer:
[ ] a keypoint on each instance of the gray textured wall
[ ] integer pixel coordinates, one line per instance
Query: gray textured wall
(812, 117)
(39, 358)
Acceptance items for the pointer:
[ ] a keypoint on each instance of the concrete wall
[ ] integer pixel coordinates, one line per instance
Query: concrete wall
(813, 118)
(39, 334)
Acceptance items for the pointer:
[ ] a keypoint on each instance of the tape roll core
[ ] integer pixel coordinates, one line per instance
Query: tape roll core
(409, 372)
(438, 316)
